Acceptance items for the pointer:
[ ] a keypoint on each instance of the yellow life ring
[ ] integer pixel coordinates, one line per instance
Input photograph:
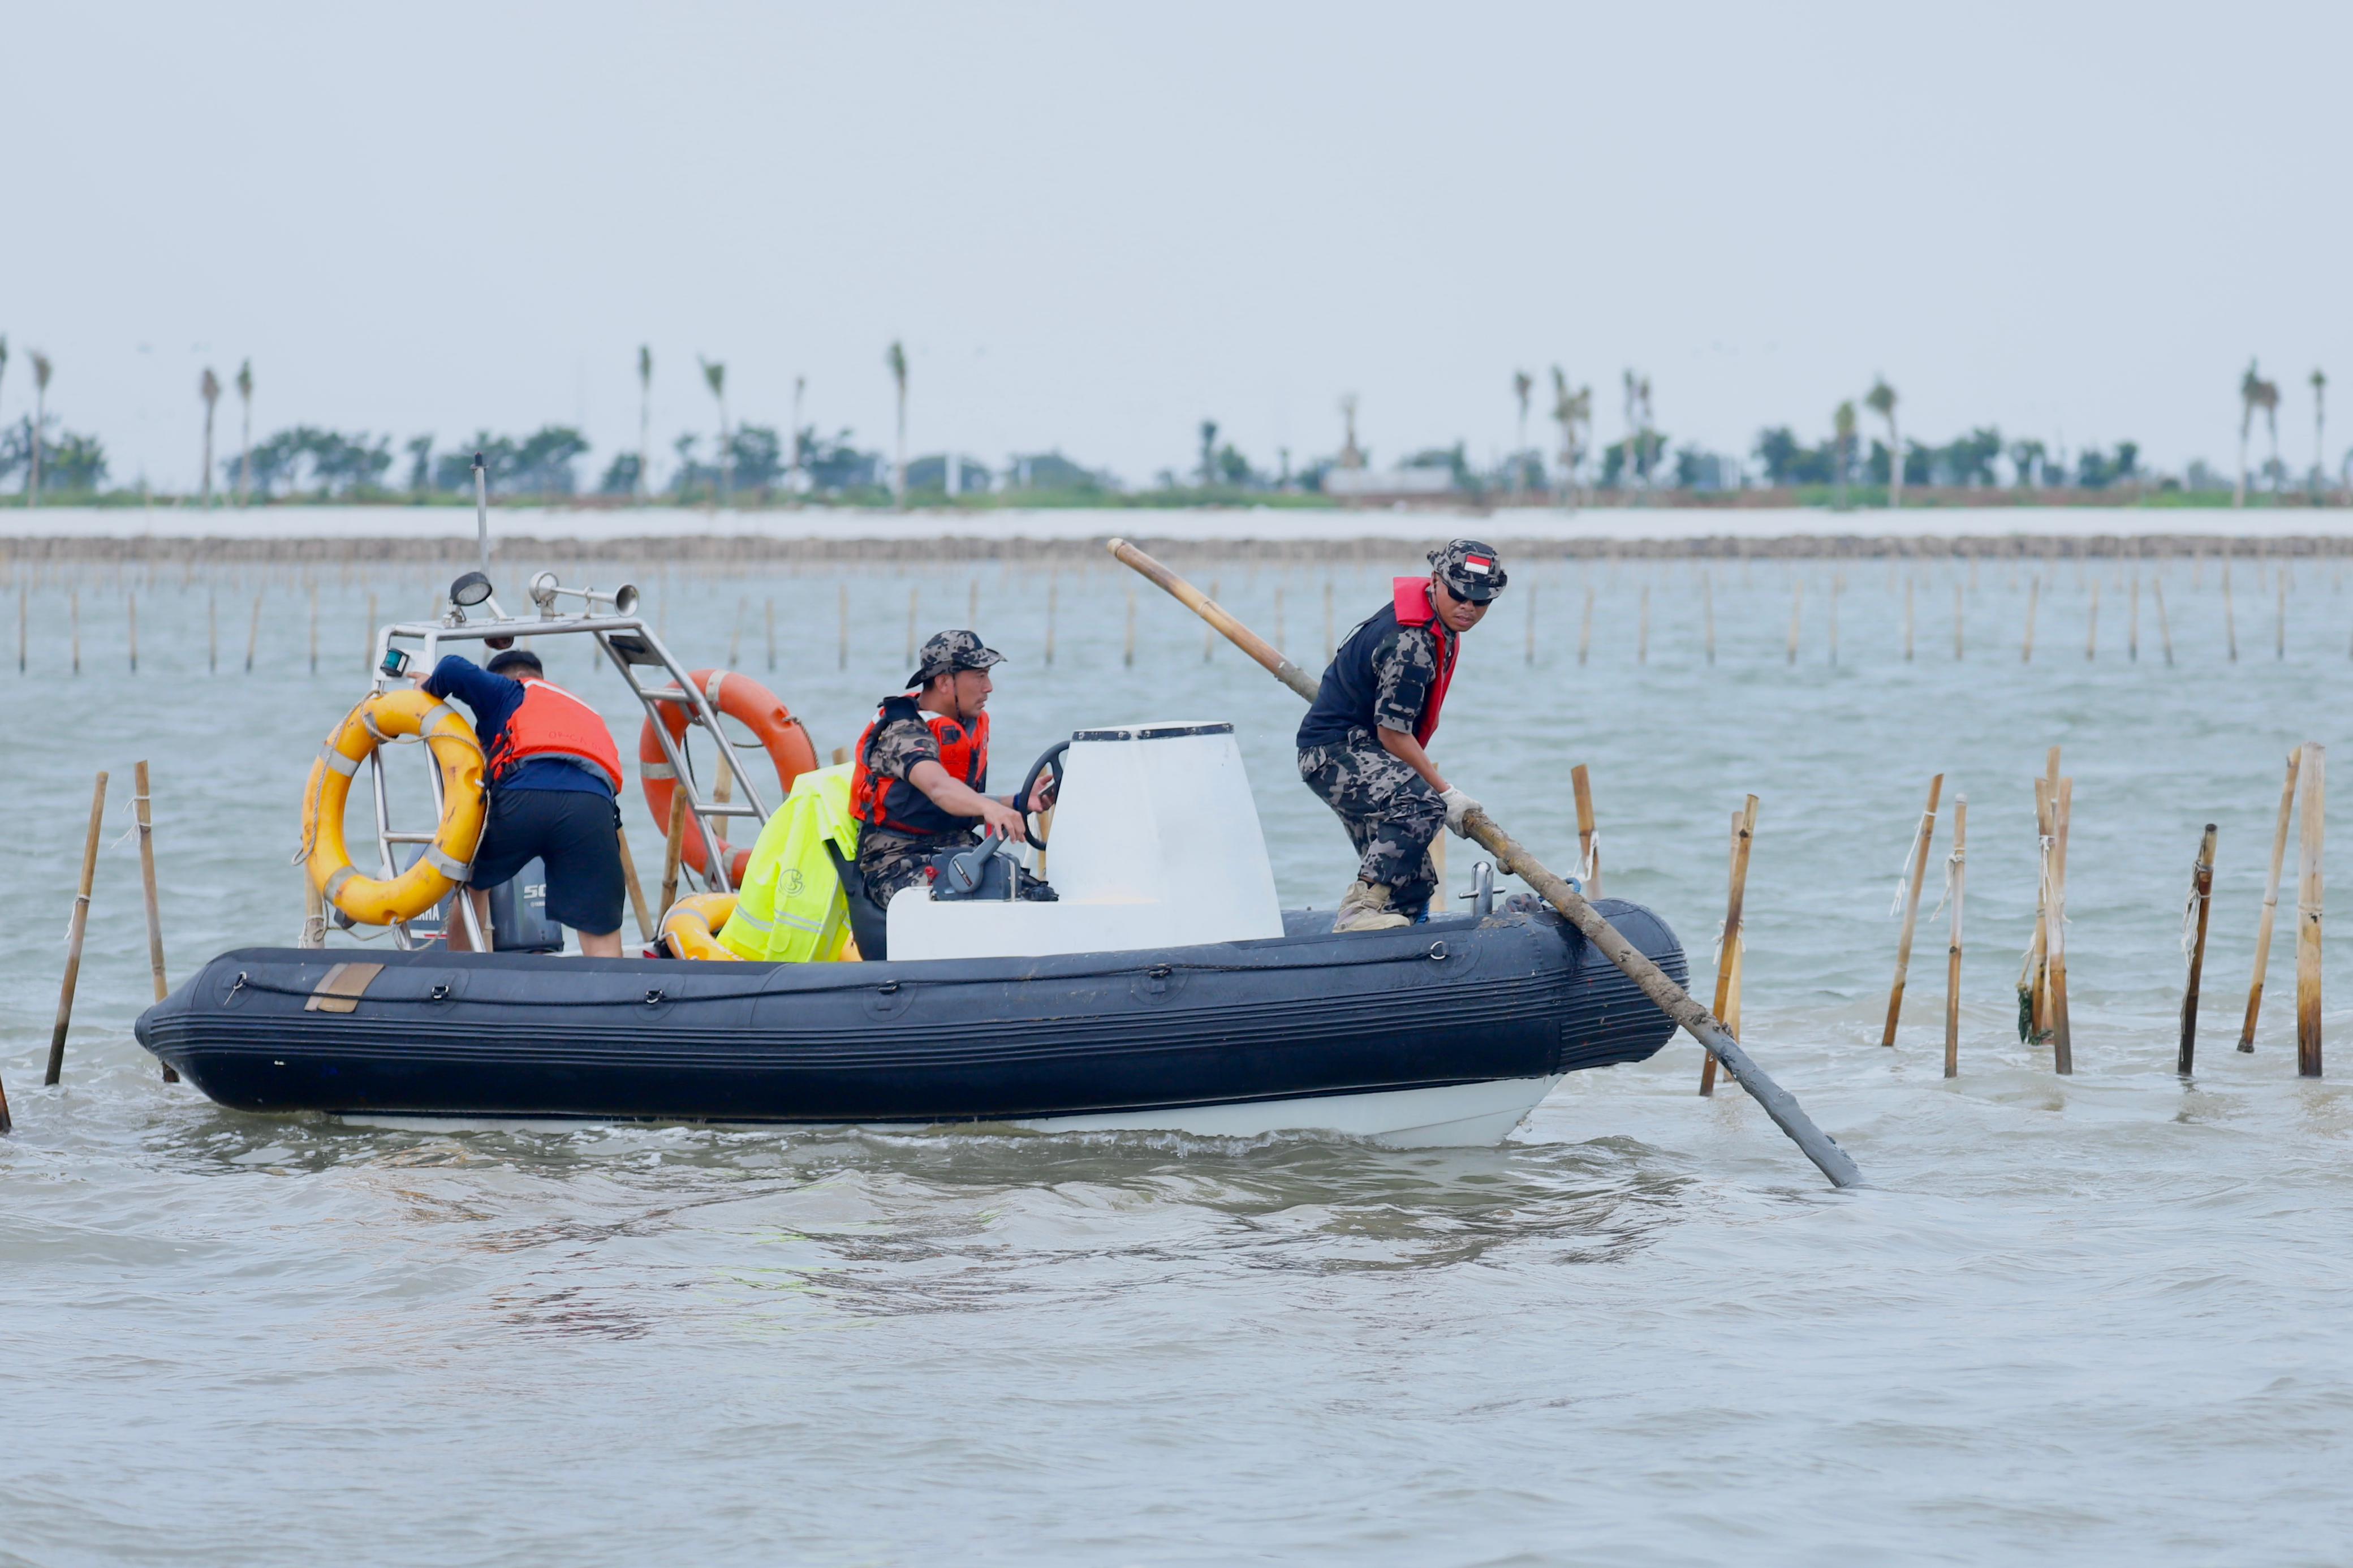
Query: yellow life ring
(689, 930)
(383, 716)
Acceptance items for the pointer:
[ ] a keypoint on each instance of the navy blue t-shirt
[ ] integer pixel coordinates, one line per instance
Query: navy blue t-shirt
(494, 698)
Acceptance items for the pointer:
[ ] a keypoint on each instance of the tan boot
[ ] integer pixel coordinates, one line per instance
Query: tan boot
(1365, 907)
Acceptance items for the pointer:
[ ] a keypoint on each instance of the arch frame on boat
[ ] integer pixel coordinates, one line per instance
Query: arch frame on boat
(736, 695)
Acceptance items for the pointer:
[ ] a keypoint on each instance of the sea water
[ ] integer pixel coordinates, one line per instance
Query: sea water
(2073, 1319)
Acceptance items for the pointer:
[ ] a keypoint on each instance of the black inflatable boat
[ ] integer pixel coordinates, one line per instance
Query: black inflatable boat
(1443, 1033)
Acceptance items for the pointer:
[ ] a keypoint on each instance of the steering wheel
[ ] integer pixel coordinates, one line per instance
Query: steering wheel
(1050, 758)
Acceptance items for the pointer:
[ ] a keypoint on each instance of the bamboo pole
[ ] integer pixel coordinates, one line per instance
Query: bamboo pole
(1958, 860)
(841, 652)
(972, 603)
(1797, 609)
(912, 591)
(2230, 612)
(2164, 625)
(2202, 897)
(24, 616)
(1707, 612)
(1957, 614)
(673, 848)
(2279, 619)
(2033, 597)
(1589, 836)
(2314, 781)
(1585, 631)
(2271, 905)
(1642, 628)
(1127, 646)
(2132, 624)
(646, 927)
(2063, 1044)
(132, 604)
(1209, 633)
(315, 628)
(367, 634)
(73, 624)
(2092, 634)
(1512, 858)
(75, 930)
(1837, 586)
(771, 613)
(141, 810)
(1728, 967)
(1918, 868)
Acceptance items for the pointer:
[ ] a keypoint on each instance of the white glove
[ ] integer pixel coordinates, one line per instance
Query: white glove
(1457, 803)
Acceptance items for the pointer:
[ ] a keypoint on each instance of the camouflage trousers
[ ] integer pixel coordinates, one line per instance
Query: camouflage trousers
(1390, 812)
(889, 861)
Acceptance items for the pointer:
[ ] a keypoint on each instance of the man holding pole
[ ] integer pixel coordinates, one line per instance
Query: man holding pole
(1361, 747)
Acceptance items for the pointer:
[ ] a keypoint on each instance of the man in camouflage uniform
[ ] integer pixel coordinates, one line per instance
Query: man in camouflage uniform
(1361, 744)
(921, 766)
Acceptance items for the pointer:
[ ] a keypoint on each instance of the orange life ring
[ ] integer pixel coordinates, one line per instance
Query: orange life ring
(758, 710)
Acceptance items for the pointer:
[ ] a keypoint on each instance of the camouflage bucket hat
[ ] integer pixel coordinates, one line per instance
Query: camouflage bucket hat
(1470, 570)
(945, 651)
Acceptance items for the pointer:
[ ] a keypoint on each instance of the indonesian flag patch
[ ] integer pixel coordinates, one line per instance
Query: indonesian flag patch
(1483, 564)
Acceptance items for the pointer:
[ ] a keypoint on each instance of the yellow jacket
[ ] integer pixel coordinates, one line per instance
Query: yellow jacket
(789, 908)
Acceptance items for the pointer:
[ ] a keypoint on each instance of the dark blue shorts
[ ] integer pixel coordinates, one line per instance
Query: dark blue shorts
(577, 833)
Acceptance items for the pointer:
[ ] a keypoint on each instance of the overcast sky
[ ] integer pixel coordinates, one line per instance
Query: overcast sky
(1096, 225)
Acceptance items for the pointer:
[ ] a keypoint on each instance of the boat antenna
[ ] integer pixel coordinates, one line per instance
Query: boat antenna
(482, 511)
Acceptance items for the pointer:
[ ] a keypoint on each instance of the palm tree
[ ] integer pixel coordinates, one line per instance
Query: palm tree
(645, 417)
(1208, 454)
(897, 360)
(1843, 421)
(2319, 429)
(2250, 392)
(1882, 402)
(1522, 385)
(245, 436)
(800, 385)
(1351, 455)
(209, 387)
(40, 424)
(715, 373)
(1570, 410)
(2267, 399)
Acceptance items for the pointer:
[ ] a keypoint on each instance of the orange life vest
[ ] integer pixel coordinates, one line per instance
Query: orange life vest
(552, 722)
(898, 806)
(1411, 598)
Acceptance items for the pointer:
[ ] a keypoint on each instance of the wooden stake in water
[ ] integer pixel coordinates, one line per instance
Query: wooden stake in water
(2132, 624)
(2201, 897)
(912, 591)
(770, 605)
(1588, 845)
(24, 614)
(1528, 656)
(1907, 620)
(2279, 619)
(1642, 628)
(2092, 634)
(2033, 597)
(736, 632)
(2271, 905)
(73, 624)
(147, 880)
(1959, 862)
(1957, 614)
(2313, 780)
(841, 657)
(133, 603)
(2063, 1044)
(1053, 596)
(2164, 625)
(646, 927)
(1331, 646)
(1797, 609)
(1837, 586)
(75, 930)
(315, 628)
(972, 603)
(2230, 612)
(1918, 868)
(1585, 631)
(1280, 638)
(1707, 612)
(1727, 967)
(1127, 646)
